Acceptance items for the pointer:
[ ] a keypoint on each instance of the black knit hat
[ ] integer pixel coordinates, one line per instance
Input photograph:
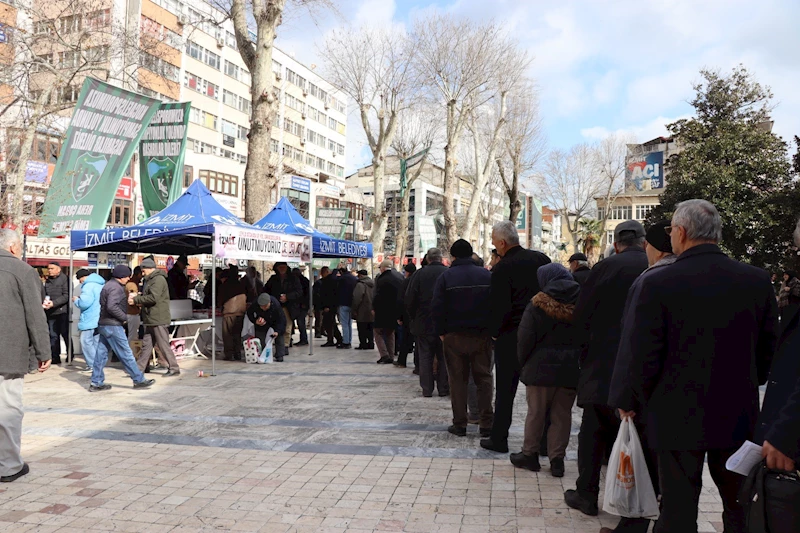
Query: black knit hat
(657, 237)
(82, 272)
(461, 249)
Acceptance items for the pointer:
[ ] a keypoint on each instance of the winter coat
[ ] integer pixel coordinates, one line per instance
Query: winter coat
(779, 422)
(581, 275)
(113, 304)
(317, 294)
(290, 286)
(461, 299)
(345, 288)
(22, 316)
(154, 300)
(133, 287)
(419, 296)
(598, 320)
(705, 332)
(329, 290)
(514, 283)
(304, 283)
(232, 297)
(384, 299)
(362, 300)
(274, 316)
(178, 283)
(89, 302)
(57, 289)
(252, 288)
(547, 346)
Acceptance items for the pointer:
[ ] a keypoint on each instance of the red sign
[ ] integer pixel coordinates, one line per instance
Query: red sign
(125, 189)
(31, 227)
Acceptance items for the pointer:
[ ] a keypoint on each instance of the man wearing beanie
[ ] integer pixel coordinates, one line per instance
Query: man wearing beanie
(459, 310)
(265, 313)
(111, 327)
(156, 316)
(89, 304)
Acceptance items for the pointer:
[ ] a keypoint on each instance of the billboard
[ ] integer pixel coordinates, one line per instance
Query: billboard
(332, 221)
(106, 127)
(645, 172)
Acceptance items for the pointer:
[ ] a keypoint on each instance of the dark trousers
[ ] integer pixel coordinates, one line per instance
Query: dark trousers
(681, 475)
(468, 354)
(158, 337)
(406, 345)
(317, 322)
(279, 344)
(302, 326)
(506, 380)
(330, 327)
(430, 348)
(599, 428)
(59, 329)
(366, 337)
(232, 337)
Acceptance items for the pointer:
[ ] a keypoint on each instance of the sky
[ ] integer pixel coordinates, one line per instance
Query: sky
(602, 66)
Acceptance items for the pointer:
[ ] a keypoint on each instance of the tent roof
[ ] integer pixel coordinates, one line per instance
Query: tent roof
(184, 226)
(284, 218)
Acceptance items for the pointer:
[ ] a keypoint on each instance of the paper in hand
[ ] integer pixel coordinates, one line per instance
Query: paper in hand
(744, 459)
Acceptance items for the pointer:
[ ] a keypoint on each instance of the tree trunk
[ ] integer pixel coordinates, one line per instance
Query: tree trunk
(454, 125)
(379, 213)
(401, 249)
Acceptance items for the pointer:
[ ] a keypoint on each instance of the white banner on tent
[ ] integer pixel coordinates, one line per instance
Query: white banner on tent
(242, 243)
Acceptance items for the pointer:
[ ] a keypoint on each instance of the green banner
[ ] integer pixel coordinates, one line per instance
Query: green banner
(161, 154)
(105, 129)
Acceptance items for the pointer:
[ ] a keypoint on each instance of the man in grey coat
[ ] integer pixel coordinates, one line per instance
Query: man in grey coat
(24, 328)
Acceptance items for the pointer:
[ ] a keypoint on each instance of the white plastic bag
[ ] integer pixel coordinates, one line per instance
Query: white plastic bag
(248, 329)
(629, 489)
(266, 353)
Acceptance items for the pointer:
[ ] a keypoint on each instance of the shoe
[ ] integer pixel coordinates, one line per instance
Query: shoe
(328, 345)
(302, 343)
(486, 432)
(444, 395)
(170, 373)
(146, 370)
(457, 431)
(528, 462)
(557, 467)
(399, 365)
(278, 359)
(490, 444)
(344, 346)
(98, 388)
(359, 348)
(415, 371)
(144, 384)
(427, 394)
(385, 361)
(33, 371)
(581, 503)
(14, 477)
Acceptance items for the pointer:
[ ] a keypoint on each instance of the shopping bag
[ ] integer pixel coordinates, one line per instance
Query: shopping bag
(252, 349)
(629, 489)
(248, 329)
(266, 354)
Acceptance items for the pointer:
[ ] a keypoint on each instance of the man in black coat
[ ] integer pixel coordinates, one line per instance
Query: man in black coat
(384, 305)
(404, 322)
(329, 297)
(285, 286)
(579, 267)
(597, 318)
(705, 334)
(418, 299)
(303, 305)
(57, 289)
(513, 285)
(266, 313)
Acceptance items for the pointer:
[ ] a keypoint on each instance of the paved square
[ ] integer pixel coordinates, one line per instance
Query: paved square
(328, 443)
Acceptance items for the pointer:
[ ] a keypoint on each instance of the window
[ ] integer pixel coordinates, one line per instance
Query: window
(276, 67)
(601, 211)
(242, 133)
(230, 40)
(160, 67)
(153, 94)
(211, 59)
(229, 128)
(159, 32)
(332, 123)
(273, 146)
(228, 98)
(621, 212)
(610, 237)
(294, 103)
(188, 175)
(121, 213)
(231, 69)
(210, 121)
(70, 24)
(295, 79)
(244, 105)
(198, 116)
(324, 201)
(643, 210)
(293, 127)
(68, 94)
(300, 200)
(194, 50)
(220, 183)
(43, 27)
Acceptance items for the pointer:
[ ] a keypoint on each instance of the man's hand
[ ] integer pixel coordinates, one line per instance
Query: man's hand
(74, 298)
(626, 414)
(44, 365)
(274, 334)
(260, 322)
(775, 459)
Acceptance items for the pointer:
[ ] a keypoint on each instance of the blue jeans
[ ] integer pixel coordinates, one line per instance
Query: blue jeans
(89, 342)
(114, 338)
(346, 320)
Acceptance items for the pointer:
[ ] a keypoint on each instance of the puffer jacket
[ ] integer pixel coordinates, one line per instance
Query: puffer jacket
(547, 346)
(154, 300)
(89, 302)
(113, 304)
(362, 300)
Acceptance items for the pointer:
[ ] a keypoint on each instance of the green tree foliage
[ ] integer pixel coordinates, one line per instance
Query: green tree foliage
(732, 159)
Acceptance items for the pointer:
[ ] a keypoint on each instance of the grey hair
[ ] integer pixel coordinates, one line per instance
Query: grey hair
(434, 255)
(628, 239)
(700, 219)
(8, 237)
(507, 231)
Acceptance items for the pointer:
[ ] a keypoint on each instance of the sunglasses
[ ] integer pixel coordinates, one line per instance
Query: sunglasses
(668, 229)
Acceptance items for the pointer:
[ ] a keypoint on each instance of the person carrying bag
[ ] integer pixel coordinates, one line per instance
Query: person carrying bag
(771, 500)
(629, 490)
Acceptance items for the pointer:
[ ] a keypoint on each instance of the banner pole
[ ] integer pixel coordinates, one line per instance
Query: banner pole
(311, 299)
(71, 307)
(214, 303)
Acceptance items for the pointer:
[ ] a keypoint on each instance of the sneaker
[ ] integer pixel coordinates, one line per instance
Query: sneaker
(98, 388)
(490, 444)
(557, 467)
(457, 431)
(144, 384)
(528, 462)
(14, 477)
(574, 499)
(385, 361)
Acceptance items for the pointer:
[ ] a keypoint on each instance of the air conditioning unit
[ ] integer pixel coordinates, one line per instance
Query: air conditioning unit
(333, 154)
(278, 75)
(303, 140)
(305, 91)
(303, 115)
(183, 20)
(220, 43)
(327, 105)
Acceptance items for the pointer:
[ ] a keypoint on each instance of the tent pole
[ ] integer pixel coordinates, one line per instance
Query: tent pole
(311, 300)
(214, 303)
(71, 307)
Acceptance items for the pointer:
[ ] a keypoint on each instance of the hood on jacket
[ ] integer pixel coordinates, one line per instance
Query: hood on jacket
(368, 282)
(94, 278)
(155, 273)
(553, 308)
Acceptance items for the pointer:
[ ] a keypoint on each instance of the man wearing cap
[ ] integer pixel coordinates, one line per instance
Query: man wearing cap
(156, 316)
(111, 327)
(177, 280)
(579, 266)
(56, 290)
(459, 310)
(266, 313)
(597, 319)
(89, 304)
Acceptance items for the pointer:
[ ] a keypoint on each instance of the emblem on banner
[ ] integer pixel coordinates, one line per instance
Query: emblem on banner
(88, 169)
(161, 172)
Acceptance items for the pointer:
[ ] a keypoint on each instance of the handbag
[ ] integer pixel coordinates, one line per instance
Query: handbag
(771, 500)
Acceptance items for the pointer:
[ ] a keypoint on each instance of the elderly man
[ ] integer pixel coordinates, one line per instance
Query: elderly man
(579, 267)
(156, 317)
(514, 283)
(24, 328)
(385, 310)
(705, 334)
(265, 313)
(286, 288)
(56, 290)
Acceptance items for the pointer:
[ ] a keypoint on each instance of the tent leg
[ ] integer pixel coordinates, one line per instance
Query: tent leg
(311, 302)
(71, 307)
(214, 305)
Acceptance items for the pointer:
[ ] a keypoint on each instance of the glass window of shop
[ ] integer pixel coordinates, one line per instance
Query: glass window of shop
(299, 199)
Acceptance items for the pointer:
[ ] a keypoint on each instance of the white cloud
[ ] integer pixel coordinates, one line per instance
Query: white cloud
(642, 133)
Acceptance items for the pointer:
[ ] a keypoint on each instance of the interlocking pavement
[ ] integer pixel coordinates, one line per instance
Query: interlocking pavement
(327, 443)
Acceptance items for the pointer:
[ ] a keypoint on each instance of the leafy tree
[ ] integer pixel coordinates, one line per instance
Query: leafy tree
(731, 158)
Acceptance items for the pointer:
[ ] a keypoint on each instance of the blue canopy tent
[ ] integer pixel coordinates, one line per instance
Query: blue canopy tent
(284, 218)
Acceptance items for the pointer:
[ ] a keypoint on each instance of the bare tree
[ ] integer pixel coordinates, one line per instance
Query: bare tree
(609, 161)
(373, 66)
(569, 185)
(523, 145)
(459, 60)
